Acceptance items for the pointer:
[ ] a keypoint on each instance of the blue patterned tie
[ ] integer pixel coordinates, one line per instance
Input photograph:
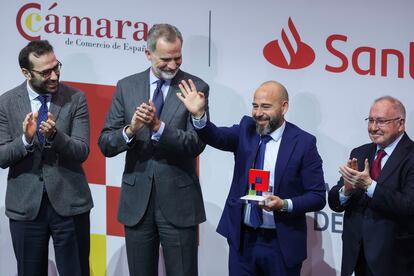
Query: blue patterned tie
(256, 213)
(42, 116)
(158, 97)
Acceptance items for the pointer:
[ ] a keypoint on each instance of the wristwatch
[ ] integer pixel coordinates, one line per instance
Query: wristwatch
(285, 207)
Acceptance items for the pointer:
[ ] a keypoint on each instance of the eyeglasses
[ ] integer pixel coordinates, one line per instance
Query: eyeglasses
(381, 122)
(48, 72)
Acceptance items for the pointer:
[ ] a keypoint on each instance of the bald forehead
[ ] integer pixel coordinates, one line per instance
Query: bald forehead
(272, 90)
(385, 107)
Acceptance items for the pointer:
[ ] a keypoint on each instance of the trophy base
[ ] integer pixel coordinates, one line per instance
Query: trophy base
(255, 199)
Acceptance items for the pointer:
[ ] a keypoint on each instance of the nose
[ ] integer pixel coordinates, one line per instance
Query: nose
(258, 111)
(373, 126)
(54, 75)
(172, 65)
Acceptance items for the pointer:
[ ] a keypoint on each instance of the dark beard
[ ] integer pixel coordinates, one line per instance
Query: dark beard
(40, 86)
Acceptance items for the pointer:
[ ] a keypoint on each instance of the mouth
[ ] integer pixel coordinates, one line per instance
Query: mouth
(261, 119)
(52, 85)
(376, 135)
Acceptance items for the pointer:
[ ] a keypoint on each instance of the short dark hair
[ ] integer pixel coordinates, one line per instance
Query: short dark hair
(38, 48)
(166, 31)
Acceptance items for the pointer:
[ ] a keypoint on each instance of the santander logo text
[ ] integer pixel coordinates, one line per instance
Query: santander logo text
(365, 60)
(300, 54)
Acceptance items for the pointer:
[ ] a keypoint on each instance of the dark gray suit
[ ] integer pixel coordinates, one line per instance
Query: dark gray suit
(167, 167)
(56, 167)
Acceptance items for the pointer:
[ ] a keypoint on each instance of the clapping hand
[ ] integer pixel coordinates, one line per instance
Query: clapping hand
(353, 178)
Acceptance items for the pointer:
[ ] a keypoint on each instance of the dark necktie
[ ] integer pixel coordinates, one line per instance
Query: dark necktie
(158, 97)
(256, 213)
(376, 165)
(41, 116)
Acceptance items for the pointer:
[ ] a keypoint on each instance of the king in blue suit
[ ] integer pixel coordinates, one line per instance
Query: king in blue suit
(278, 245)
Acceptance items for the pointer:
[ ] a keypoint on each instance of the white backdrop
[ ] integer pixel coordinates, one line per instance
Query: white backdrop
(352, 37)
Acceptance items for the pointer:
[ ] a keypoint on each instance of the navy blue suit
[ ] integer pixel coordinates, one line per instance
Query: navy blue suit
(298, 176)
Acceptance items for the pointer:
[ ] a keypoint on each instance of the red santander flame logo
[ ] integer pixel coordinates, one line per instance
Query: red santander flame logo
(299, 54)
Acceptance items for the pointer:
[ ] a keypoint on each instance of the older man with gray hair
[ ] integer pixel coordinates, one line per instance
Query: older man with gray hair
(161, 199)
(376, 191)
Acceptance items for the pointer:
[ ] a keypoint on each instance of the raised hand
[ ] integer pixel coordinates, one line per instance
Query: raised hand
(29, 126)
(193, 100)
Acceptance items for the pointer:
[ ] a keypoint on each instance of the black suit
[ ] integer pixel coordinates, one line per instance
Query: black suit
(384, 224)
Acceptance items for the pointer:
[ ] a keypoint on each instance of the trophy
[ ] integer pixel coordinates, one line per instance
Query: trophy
(258, 184)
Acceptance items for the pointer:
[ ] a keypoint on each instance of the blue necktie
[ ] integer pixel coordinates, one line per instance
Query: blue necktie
(256, 213)
(158, 97)
(42, 116)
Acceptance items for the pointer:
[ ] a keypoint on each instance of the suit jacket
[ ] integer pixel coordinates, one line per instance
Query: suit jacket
(58, 165)
(298, 176)
(385, 223)
(169, 164)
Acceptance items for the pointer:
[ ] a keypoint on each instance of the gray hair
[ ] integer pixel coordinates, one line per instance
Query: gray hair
(166, 31)
(397, 104)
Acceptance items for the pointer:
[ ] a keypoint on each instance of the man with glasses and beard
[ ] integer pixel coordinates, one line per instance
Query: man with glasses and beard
(44, 138)
(376, 191)
(268, 239)
(161, 199)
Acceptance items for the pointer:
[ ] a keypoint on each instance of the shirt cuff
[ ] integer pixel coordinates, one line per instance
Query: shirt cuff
(290, 205)
(26, 144)
(157, 135)
(371, 189)
(199, 123)
(126, 138)
(342, 197)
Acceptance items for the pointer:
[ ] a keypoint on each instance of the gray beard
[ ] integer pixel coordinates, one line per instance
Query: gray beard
(272, 126)
(168, 76)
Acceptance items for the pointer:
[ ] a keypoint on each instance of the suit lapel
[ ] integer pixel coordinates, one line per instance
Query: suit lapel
(23, 101)
(171, 101)
(287, 145)
(395, 159)
(142, 84)
(24, 106)
(57, 101)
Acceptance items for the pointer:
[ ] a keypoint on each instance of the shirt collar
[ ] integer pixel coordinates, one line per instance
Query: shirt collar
(391, 147)
(154, 79)
(277, 134)
(33, 95)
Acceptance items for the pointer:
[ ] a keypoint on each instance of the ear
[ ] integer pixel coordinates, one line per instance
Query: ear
(285, 107)
(148, 54)
(26, 74)
(401, 127)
